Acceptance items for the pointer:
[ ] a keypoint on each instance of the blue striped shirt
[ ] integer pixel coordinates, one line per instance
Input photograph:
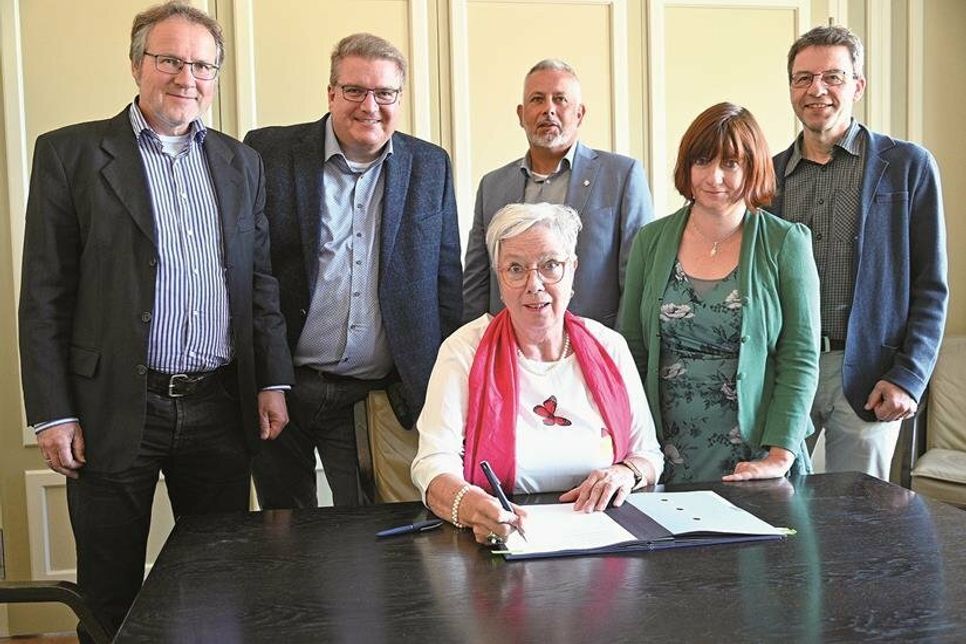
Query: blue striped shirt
(190, 327)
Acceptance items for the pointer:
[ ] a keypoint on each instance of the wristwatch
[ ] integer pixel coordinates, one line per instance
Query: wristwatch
(635, 470)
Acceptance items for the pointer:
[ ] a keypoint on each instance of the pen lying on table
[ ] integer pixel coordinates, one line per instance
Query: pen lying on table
(418, 526)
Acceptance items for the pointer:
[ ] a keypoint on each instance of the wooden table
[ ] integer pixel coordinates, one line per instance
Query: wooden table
(871, 561)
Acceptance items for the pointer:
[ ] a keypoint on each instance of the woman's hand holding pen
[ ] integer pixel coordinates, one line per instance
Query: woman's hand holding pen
(476, 508)
(484, 514)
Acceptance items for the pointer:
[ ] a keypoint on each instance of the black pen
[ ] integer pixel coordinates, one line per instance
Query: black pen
(498, 491)
(418, 526)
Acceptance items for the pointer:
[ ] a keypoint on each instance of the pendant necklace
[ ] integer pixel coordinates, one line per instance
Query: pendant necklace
(714, 244)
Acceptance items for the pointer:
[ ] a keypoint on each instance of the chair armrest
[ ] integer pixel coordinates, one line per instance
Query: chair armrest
(63, 592)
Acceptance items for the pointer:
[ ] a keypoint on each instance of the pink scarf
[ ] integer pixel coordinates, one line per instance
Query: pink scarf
(491, 418)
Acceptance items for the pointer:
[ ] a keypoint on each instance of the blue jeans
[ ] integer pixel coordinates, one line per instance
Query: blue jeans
(197, 442)
(321, 409)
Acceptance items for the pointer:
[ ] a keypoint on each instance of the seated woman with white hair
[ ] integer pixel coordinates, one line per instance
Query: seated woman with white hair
(552, 401)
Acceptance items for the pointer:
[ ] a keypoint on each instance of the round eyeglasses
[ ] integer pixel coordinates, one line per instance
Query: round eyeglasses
(550, 271)
(173, 65)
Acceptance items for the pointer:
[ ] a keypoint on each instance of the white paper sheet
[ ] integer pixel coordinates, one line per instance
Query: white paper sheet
(556, 527)
(701, 511)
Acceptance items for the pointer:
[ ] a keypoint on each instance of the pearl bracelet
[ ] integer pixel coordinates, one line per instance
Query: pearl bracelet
(454, 514)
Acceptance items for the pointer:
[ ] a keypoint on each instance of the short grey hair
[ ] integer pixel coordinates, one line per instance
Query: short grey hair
(147, 19)
(553, 65)
(517, 218)
(830, 36)
(369, 47)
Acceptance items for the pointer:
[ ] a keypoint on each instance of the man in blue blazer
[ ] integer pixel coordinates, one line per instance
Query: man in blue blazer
(608, 190)
(365, 244)
(874, 206)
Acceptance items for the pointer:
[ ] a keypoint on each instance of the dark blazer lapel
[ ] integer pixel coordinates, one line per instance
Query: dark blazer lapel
(307, 160)
(124, 172)
(582, 177)
(875, 168)
(227, 180)
(397, 169)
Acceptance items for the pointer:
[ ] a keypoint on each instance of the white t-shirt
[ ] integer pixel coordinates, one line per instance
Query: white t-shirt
(551, 455)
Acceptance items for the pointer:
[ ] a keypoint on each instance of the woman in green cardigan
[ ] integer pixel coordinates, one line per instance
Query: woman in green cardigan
(720, 310)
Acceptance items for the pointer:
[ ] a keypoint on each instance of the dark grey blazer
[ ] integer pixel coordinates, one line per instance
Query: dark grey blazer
(609, 192)
(88, 285)
(419, 255)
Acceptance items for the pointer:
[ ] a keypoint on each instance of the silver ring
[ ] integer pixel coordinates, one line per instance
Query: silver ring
(493, 539)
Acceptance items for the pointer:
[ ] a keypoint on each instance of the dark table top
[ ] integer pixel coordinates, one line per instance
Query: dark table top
(870, 561)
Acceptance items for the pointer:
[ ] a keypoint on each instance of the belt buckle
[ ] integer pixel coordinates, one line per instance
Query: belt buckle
(826, 344)
(173, 383)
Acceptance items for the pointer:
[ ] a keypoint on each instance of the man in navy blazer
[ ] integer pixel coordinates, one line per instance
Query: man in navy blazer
(365, 244)
(874, 206)
(150, 334)
(608, 190)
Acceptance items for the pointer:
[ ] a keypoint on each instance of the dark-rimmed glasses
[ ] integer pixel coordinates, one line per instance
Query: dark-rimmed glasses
(382, 95)
(550, 271)
(829, 78)
(173, 65)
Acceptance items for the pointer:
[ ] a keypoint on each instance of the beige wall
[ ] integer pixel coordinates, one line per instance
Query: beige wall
(944, 133)
(648, 67)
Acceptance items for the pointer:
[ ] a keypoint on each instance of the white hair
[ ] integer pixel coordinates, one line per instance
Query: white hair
(516, 218)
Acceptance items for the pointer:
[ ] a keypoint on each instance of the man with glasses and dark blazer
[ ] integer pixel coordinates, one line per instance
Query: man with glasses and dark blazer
(365, 244)
(150, 333)
(874, 206)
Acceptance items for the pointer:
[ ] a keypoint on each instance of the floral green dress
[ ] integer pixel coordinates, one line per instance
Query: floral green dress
(700, 337)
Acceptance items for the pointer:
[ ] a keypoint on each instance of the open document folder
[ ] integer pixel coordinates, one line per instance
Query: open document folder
(646, 521)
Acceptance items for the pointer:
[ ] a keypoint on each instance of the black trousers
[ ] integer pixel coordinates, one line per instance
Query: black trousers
(197, 442)
(321, 409)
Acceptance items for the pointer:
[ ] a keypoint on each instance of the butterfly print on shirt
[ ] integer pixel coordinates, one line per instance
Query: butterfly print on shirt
(548, 411)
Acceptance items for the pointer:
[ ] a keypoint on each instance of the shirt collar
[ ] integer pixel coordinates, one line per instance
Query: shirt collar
(196, 128)
(848, 143)
(566, 163)
(332, 147)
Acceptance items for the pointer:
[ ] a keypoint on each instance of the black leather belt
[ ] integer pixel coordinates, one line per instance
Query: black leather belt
(178, 385)
(828, 344)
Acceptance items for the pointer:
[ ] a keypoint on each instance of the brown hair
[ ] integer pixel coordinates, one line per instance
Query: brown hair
(729, 131)
(147, 19)
(831, 36)
(369, 47)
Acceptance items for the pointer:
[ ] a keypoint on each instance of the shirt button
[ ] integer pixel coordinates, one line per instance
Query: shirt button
(152, 262)
(744, 338)
(740, 376)
(821, 201)
(818, 236)
(355, 294)
(146, 317)
(358, 262)
(359, 205)
(358, 234)
(141, 369)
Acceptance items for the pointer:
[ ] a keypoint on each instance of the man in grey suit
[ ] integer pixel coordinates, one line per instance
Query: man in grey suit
(365, 244)
(150, 333)
(608, 190)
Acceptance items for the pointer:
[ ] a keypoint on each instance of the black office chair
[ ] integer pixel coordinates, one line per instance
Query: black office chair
(61, 592)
